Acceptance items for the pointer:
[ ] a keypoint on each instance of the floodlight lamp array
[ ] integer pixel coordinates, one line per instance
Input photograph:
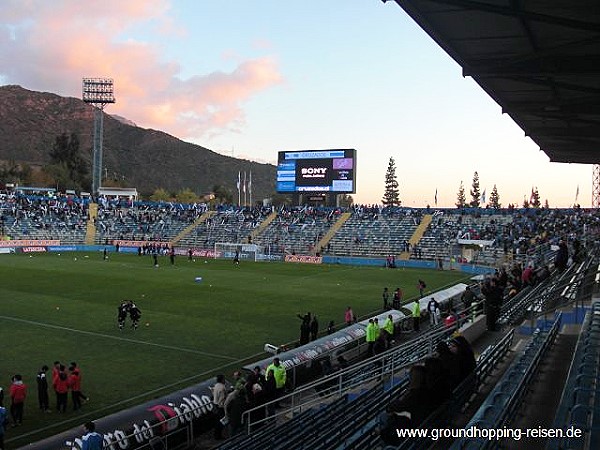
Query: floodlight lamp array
(98, 91)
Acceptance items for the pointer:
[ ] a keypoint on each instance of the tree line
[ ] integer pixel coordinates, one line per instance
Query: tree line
(391, 194)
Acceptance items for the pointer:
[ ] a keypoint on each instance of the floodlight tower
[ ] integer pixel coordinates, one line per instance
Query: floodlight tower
(98, 92)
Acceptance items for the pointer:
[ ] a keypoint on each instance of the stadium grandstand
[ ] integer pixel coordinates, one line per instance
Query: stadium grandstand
(545, 317)
(531, 320)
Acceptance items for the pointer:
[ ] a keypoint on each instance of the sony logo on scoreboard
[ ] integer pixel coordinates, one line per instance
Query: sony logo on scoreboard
(314, 172)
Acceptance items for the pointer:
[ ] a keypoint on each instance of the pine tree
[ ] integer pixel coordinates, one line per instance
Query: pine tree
(475, 194)
(461, 200)
(391, 195)
(495, 199)
(535, 198)
(546, 204)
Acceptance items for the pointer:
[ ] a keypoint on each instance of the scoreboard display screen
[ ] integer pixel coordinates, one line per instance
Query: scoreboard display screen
(317, 171)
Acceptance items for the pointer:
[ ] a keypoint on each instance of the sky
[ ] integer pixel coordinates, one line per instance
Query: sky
(250, 79)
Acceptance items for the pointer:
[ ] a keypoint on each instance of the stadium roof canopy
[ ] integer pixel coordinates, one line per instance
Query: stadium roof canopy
(538, 59)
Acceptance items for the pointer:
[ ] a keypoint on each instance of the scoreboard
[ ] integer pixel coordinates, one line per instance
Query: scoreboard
(323, 171)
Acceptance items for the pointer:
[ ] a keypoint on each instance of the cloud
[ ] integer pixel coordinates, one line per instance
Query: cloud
(51, 46)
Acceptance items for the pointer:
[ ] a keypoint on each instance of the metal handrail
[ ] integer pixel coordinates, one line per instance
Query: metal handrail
(387, 364)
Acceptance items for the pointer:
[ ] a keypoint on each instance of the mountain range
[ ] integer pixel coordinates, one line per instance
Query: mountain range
(143, 158)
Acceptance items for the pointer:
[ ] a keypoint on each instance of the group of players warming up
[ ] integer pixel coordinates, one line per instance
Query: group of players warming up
(128, 308)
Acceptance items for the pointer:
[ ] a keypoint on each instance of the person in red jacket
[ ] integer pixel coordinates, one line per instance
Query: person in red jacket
(61, 387)
(55, 371)
(72, 367)
(75, 386)
(18, 393)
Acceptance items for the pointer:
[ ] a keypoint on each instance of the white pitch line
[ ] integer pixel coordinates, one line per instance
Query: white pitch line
(118, 338)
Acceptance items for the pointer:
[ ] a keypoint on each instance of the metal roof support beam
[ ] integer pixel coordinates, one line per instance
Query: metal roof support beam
(567, 132)
(547, 82)
(547, 66)
(510, 12)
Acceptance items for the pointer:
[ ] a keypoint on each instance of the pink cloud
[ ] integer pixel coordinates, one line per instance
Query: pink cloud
(52, 45)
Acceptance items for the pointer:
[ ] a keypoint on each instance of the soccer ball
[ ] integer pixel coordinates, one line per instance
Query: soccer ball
(147, 324)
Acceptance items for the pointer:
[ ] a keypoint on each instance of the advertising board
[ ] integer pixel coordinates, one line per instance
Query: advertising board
(324, 171)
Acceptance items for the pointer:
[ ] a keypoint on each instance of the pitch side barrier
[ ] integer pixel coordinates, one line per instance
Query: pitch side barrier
(173, 420)
(305, 363)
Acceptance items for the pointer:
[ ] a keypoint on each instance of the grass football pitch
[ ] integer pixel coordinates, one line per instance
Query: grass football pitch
(64, 307)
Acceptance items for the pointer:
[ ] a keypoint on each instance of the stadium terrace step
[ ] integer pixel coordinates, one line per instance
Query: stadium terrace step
(540, 404)
(331, 232)
(90, 231)
(263, 225)
(501, 406)
(417, 235)
(187, 230)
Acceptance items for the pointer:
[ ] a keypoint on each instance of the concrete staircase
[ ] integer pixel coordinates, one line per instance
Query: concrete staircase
(263, 225)
(187, 230)
(331, 232)
(90, 229)
(417, 235)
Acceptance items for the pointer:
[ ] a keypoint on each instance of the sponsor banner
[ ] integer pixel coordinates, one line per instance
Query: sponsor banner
(62, 248)
(198, 253)
(30, 243)
(269, 257)
(132, 250)
(319, 347)
(304, 259)
(313, 188)
(134, 427)
(479, 242)
(33, 249)
(125, 243)
(6, 250)
(315, 154)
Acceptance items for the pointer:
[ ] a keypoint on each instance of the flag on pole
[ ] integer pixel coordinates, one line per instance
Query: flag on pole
(483, 197)
(435, 198)
(238, 187)
(244, 189)
(250, 188)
